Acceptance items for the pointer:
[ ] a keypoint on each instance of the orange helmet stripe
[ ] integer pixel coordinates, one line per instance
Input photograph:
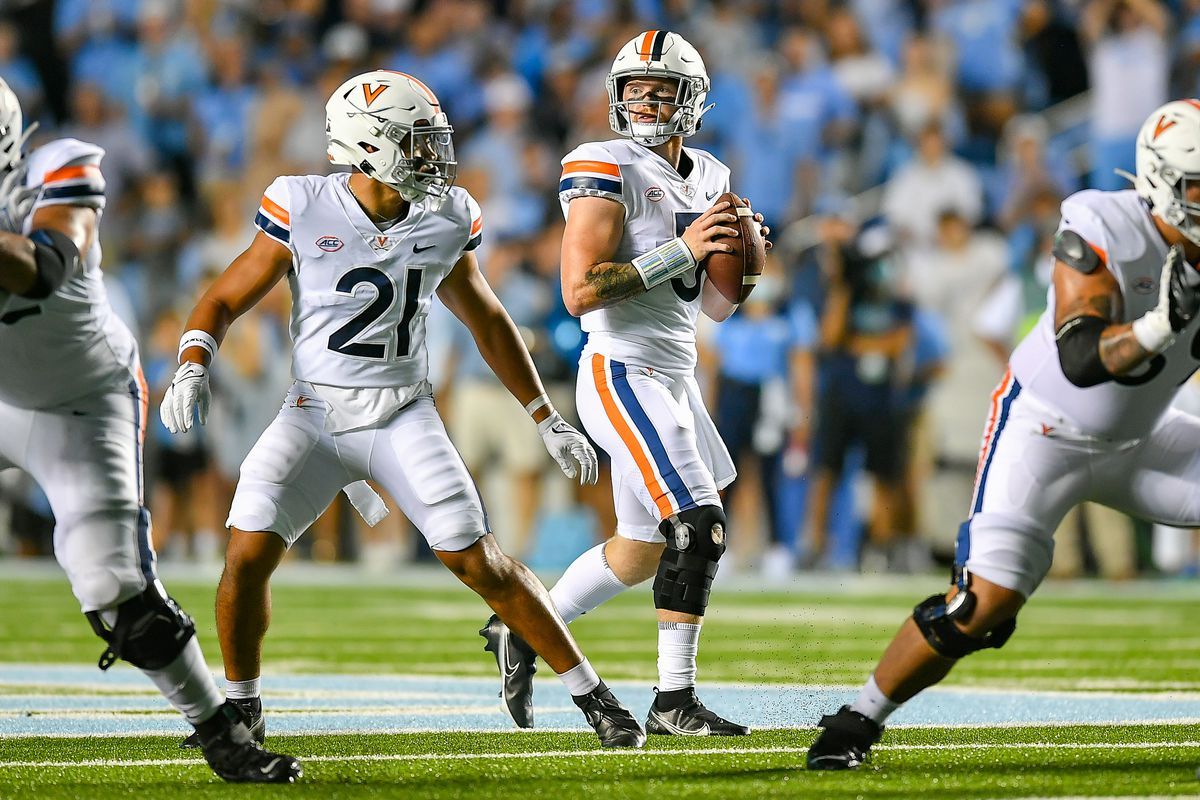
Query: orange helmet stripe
(647, 45)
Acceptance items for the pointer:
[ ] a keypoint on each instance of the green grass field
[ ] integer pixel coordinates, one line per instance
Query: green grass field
(1095, 650)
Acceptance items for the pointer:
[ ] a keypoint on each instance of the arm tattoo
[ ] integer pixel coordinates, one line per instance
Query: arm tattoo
(1120, 351)
(612, 281)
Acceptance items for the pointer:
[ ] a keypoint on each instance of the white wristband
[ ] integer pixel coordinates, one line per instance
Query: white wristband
(664, 262)
(1153, 332)
(540, 401)
(197, 338)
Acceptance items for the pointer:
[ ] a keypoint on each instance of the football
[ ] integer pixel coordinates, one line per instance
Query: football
(735, 274)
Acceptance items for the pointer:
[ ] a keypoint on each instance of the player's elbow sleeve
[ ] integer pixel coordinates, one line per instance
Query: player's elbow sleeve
(54, 257)
(1078, 343)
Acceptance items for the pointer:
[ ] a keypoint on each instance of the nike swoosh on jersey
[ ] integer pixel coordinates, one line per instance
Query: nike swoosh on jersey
(708, 196)
(418, 248)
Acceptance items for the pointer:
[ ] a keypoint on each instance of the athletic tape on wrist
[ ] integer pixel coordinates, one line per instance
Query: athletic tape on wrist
(541, 401)
(1153, 332)
(664, 262)
(197, 338)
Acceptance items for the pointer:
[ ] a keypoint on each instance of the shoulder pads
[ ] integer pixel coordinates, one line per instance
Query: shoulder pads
(1071, 249)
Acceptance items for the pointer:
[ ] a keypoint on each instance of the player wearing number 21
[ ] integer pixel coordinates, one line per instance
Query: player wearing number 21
(641, 222)
(1083, 413)
(364, 252)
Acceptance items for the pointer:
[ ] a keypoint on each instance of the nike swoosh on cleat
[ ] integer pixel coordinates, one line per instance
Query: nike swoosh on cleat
(678, 731)
(510, 669)
(265, 770)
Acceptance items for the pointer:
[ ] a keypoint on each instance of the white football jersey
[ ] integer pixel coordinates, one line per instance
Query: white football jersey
(1119, 227)
(657, 328)
(360, 295)
(55, 350)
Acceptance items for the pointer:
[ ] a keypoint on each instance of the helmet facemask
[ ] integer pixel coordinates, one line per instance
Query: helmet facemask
(390, 126)
(688, 103)
(1167, 188)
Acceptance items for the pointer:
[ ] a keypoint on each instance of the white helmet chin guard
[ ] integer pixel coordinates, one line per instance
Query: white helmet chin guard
(390, 126)
(1168, 162)
(658, 54)
(12, 137)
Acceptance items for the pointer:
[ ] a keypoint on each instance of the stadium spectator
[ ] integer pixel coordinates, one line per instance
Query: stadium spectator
(935, 181)
(762, 358)
(864, 370)
(1129, 65)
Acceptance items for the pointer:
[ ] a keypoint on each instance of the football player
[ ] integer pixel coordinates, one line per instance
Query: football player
(641, 219)
(364, 252)
(73, 415)
(1083, 413)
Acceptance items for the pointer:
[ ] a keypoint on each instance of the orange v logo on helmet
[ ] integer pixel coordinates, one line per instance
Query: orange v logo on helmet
(371, 94)
(1162, 125)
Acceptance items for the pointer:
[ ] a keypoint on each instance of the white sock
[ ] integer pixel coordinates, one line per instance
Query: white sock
(587, 583)
(872, 703)
(580, 679)
(243, 690)
(187, 684)
(677, 646)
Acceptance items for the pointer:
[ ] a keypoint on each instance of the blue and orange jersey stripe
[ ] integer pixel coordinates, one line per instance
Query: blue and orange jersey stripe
(1002, 399)
(596, 175)
(274, 220)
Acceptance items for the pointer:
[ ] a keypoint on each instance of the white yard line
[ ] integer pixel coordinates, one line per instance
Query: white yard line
(384, 757)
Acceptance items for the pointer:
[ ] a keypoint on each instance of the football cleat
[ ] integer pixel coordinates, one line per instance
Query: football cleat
(516, 662)
(845, 741)
(690, 718)
(252, 715)
(233, 754)
(615, 726)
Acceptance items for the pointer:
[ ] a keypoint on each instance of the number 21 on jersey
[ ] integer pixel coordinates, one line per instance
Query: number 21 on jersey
(348, 340)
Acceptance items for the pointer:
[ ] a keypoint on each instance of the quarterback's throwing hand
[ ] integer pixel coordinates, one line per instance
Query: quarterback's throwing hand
(569, 448)
(188, 394)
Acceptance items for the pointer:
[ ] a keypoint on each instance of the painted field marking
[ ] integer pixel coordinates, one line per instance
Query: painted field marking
(720, 751)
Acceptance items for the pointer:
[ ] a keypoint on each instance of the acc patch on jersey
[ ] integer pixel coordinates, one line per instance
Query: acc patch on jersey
(330, 244)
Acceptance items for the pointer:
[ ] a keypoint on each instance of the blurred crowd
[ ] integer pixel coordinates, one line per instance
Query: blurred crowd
(851, 388)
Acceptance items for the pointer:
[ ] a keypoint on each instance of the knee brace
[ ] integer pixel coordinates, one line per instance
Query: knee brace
(695, 542)
(935, 618)
(150, 632)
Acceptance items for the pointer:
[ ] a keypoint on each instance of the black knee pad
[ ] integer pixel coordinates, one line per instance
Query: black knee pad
(151, 631)
(935, 617)
(695, 543)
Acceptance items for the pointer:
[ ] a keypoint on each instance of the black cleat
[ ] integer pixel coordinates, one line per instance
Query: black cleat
(252, 715)
(689, 717)
(615, 726)
(516, 662)
(845, 741)
(235, 756)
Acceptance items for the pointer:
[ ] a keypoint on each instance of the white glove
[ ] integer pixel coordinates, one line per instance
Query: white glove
(16, 200)
(569, 447)
(1178, 303)
(187, 394)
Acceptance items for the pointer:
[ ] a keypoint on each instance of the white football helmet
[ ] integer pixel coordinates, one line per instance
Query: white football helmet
(1168, 162)
(391, 127)
(12, 137)
(659, 54)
